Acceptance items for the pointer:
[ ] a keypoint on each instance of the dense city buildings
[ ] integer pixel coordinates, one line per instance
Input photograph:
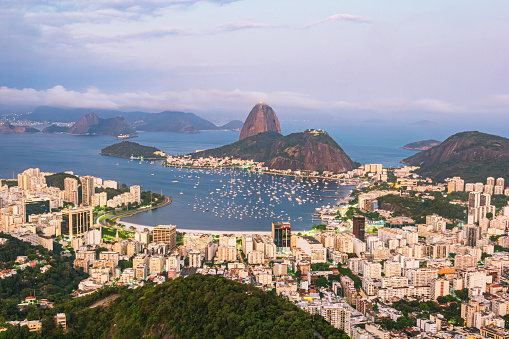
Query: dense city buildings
(353, 270)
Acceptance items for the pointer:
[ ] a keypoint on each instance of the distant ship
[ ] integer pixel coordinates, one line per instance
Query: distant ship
(126, 136)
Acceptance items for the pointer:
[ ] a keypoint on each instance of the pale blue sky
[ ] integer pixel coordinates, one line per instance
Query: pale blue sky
(388, 58)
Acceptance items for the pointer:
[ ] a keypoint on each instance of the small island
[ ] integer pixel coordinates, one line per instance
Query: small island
(422, 145)
(133, 150)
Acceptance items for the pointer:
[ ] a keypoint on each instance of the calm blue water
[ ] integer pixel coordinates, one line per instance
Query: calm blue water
(227, 200)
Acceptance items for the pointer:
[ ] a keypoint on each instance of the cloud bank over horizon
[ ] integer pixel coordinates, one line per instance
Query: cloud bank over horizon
(214, 100)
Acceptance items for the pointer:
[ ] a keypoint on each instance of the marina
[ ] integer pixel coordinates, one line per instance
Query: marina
(233, 199)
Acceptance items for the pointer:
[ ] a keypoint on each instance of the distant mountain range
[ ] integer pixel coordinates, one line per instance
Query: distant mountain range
(472, 155)
(168, 121)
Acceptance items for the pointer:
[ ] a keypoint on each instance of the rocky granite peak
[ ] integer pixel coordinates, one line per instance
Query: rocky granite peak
(83, 125)
(261, 119)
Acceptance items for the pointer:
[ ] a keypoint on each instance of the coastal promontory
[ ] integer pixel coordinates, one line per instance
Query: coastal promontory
(472, 155)
(422, 145)
(129, 149)
(311, 150)
(7, 128)
(261, 141)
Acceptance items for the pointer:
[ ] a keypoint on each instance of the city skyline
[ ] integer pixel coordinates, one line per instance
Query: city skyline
(217, 57)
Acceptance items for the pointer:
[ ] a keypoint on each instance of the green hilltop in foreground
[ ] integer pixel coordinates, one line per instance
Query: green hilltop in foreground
(473, 156)
(198, 306)
(310, 150)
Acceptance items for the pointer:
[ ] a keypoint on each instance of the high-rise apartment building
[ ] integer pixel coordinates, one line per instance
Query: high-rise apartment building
(226, 253)
(359, 223)
(372, 270)
(338, 316)
(485, 199)
(165, 234)
(135, 190)
(472, 235)
(194, 258)
(490, 181)
(500, 182)
(71, 191)
(463, 262)
(282, 234)
(474, 199)
(87, 190)
(392, 269)
(439, 288)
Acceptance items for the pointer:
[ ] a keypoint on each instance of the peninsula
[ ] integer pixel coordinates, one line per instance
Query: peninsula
(422, 145)
(7, 128)
(472, 155)
(130, 150)
(261, 141)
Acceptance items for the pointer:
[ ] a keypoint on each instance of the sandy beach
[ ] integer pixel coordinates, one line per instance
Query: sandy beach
(213, 232)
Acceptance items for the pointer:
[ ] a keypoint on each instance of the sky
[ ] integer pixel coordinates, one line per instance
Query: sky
(362, 60)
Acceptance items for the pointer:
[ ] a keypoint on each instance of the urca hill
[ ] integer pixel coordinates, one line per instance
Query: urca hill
(471, 155)
(261, 141)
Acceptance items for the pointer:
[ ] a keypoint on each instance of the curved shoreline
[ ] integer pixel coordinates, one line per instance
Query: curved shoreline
(186, 230)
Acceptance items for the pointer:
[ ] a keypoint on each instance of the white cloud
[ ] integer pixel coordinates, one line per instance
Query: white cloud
(189, 100)
(212, 100)
(340, 17)
(434, 105)
(242, 25)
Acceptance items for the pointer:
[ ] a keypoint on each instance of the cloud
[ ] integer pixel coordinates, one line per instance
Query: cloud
(189, 100)
(437, 106)
(153, 33)
(340, 17)
(210, 100)
(242, 25)
(424, 123)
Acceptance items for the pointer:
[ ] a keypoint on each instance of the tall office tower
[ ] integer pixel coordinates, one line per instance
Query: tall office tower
(472, 235)
(282, 235)
(71, 190)
(166, 234)
(76, 221)
(87, 190)
(485, 199)
(359, 223)
(474, 199)
(490, 181)
(500, 182)
(136, 192)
